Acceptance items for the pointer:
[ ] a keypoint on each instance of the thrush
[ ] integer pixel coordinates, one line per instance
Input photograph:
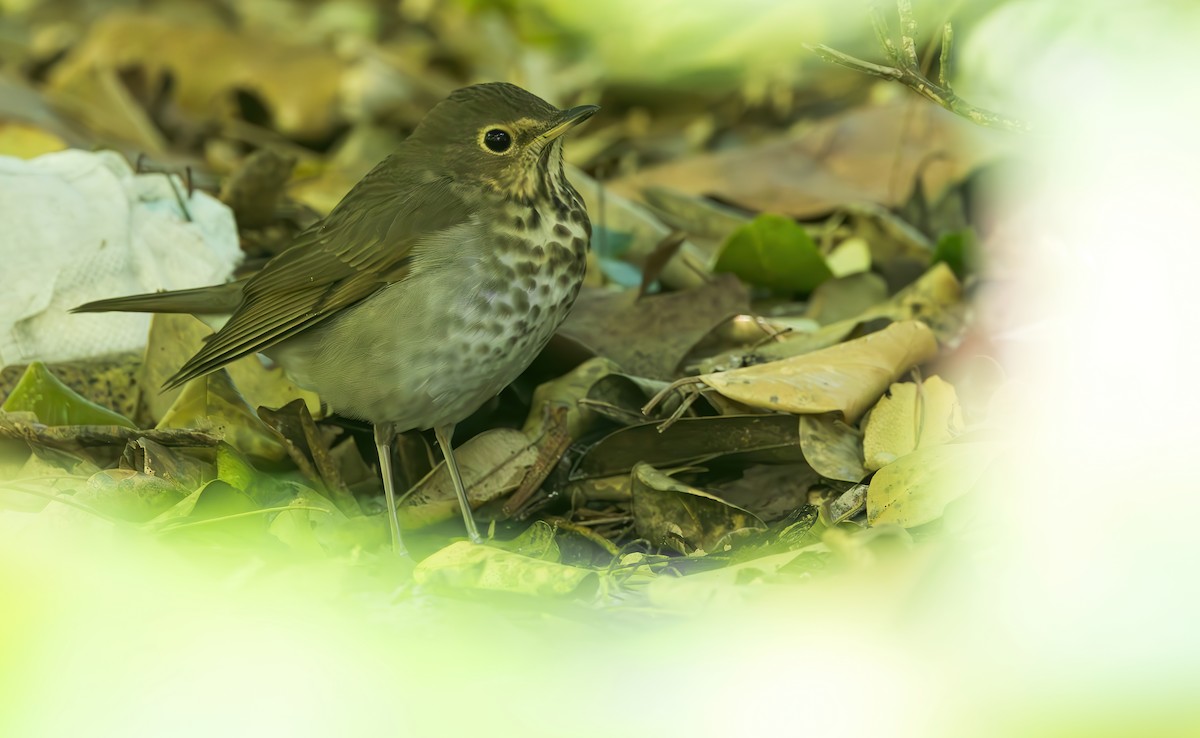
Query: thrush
(429, 288)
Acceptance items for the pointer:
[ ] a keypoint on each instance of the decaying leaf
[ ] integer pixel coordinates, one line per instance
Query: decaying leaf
(672, 514)
(492, 465)
(211, 403)
(130, 495)
(846, 297)
(845, 378)
(465, 565)
(932, 299)
(566, 391)
(915, 489)
(833, 448)
(110, 383)
(910, 417)
(688, 266)
(176, 338)
(146, 456)
(309, 449)
(298, 83)
(649, 337)
(847, 504)
(836, 161)
(775, 437)
(620, 397)
(255, 189)
(771, 491)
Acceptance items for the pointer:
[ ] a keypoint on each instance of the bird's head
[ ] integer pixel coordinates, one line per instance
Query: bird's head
(498, 135)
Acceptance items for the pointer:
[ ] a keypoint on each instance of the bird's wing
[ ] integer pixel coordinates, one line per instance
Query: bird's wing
(365, 244)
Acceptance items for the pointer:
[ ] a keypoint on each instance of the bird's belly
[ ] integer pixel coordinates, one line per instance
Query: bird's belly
(434, 348)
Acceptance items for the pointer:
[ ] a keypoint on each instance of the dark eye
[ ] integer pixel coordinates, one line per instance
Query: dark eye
(497, 140)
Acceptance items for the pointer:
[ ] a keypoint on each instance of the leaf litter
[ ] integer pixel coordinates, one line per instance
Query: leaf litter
(736, 400)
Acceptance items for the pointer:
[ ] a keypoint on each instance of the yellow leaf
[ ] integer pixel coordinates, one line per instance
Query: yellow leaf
(911, 416)
(916, 488)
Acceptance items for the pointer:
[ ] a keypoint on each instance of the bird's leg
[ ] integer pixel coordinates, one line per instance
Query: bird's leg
(444, 433)
(384, 435)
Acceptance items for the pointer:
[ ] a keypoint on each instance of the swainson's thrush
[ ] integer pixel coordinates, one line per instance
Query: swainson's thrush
(428, 288)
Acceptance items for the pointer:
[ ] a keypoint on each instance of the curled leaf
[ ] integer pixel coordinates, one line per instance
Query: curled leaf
(845, 378)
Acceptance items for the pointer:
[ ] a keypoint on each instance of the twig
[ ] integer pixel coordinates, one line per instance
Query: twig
(77, 436)
(906, 70)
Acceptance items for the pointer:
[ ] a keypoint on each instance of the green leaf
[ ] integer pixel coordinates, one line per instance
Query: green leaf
(960, 250)
(54, 403)
(773, 251)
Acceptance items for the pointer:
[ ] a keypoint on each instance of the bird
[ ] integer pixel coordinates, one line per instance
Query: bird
(427, 289)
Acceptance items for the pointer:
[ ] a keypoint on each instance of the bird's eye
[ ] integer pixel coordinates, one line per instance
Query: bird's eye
(497, 140)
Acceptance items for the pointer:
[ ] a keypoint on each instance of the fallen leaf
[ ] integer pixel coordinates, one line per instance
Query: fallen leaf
(846, 378)
(27, 141)
(836, 161)
(212, 403)
(915, 489)
(846, 297)
(566, 391)
(55, 404)
(465, 565)
(910, 417)
(309, 449)
(933, 299)
(146, 456)
(832, 448)
(851, 256)
(492, 464)
(773, 251)
(298, 83)
(771, 491)
(669, 513)
(176, 338)
(649, 337)
(129, 495)
(688, 440)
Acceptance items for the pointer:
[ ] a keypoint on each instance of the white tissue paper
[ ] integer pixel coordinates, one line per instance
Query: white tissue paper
(78, 226)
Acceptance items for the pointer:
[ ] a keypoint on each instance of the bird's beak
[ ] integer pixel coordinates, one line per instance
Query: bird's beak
(568, 120)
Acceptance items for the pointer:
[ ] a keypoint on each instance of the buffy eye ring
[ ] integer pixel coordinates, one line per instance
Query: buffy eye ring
(497, 140)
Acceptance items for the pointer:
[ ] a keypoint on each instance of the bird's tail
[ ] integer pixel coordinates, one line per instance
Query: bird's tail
(220, 299)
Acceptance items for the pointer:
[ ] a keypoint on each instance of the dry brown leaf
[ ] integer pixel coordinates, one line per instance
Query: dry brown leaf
(492, 464)
(846, 378)
(299, 84)
(838, 160)
(670, 513)
(832, 448)
(649, 337)
(933, 298)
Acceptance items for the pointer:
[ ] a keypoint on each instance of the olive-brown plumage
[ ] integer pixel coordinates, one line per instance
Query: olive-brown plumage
(429, 287)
